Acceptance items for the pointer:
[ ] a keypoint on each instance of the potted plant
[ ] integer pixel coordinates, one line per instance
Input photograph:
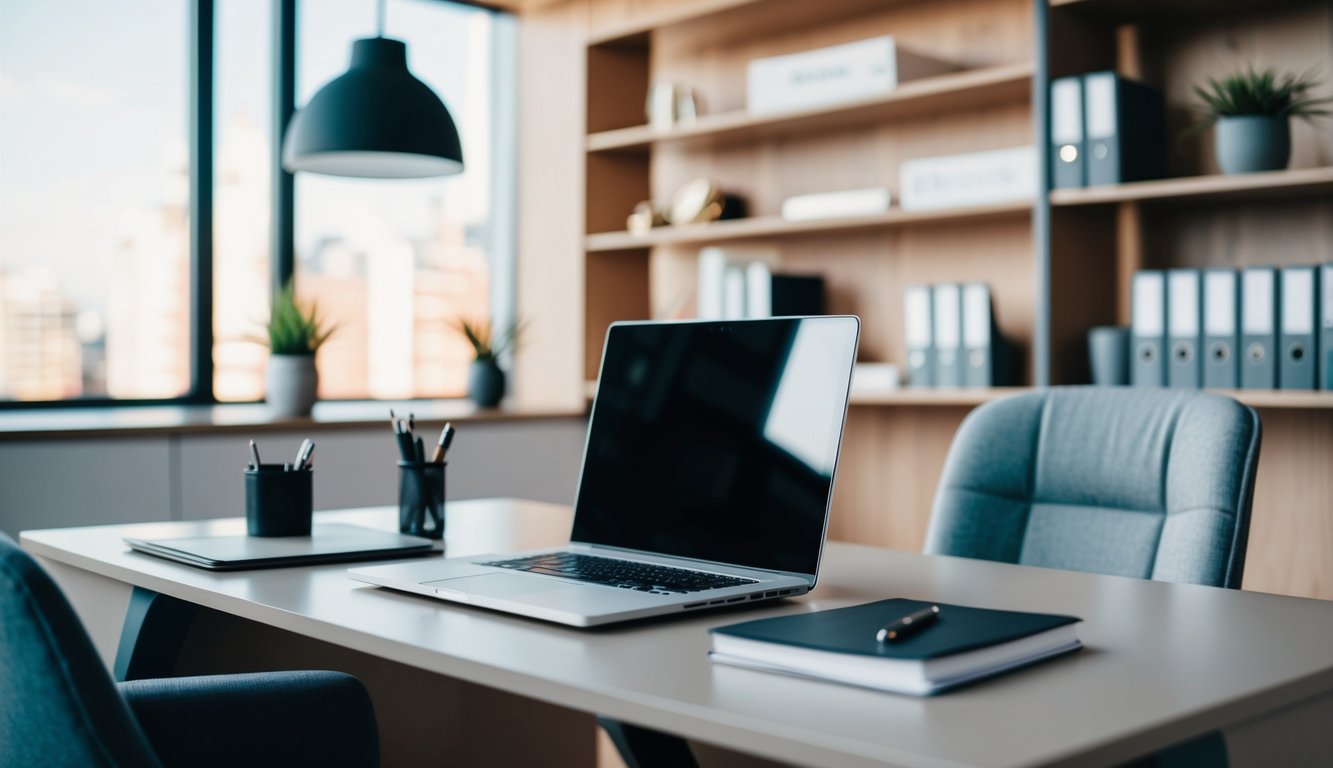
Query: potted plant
(294, 334)
(1253, 111)
(486, 380)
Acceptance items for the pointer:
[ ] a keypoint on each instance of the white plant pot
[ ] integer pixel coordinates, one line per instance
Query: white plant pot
(290, 384)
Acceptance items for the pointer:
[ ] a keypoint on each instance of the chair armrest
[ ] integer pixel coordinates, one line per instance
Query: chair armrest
(260, 719)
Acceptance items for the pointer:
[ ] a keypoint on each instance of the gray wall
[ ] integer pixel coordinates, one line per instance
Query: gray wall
(53, 483)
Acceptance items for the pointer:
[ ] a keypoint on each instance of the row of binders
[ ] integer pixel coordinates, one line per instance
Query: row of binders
(952, 339)
(1257, 328)
(1105, 129)
(736, 283)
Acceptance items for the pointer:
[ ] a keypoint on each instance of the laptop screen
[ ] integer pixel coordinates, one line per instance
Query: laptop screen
(718, 440)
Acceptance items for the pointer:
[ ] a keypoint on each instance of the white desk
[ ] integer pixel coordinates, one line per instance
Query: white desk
(1163, 663)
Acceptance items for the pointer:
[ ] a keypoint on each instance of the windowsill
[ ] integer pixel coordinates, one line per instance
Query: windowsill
(252, 417)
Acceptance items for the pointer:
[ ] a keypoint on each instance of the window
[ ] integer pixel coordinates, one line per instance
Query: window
(396, 263)
(94, 216)
(242, 196)
(96, 271)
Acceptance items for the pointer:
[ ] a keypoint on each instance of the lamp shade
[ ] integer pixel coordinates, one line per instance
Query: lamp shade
(375, 121)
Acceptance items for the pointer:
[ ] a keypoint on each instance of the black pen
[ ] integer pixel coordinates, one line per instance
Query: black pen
(912, 622)
(254, 451)
(406, 451)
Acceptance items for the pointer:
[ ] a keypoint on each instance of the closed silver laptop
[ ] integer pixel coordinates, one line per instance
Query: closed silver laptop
(707, 478)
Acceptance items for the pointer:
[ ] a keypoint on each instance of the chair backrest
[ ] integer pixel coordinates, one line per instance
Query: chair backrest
(58, 705)
(1152, 483)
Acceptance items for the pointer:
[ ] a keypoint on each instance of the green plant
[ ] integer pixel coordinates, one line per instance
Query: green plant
(292, 328)
(487, 344)
(1255, 92)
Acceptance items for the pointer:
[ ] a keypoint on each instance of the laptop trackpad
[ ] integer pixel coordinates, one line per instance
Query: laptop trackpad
(497, 585)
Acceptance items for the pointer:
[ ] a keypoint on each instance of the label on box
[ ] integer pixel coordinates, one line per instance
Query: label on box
(977, 178)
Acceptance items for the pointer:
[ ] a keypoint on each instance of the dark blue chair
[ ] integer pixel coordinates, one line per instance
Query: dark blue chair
(59, 706)
(1151, 483)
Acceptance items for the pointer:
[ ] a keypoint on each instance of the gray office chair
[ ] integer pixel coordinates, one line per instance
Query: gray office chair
(1152, 483)
(59, 707)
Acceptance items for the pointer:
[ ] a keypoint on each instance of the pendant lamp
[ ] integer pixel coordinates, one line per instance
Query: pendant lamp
(375, 121)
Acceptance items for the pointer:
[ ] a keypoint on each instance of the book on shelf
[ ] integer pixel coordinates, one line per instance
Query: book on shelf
(962, 645)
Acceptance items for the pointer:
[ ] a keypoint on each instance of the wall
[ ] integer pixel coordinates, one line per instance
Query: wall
(93, 480)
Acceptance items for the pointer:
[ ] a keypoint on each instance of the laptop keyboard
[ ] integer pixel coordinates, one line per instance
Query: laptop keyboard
(625, 574)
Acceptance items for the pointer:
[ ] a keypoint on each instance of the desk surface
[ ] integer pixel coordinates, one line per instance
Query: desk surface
(1163, 662)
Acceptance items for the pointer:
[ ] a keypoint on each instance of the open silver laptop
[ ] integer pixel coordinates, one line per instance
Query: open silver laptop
(707, 478)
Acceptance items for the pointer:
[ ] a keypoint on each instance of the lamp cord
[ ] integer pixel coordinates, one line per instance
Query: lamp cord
(379, 19)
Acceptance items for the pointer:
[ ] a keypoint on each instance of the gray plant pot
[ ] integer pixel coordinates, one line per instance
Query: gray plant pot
(1253, 143)
(290, 385)
(1108, 353)
(485, 383)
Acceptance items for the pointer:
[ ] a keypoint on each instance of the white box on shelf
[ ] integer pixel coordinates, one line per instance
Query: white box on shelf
(875, 377)
(833, 75)
(836, 205)
(976, 178)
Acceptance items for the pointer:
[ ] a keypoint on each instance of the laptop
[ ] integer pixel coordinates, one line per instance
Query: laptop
(707, 478)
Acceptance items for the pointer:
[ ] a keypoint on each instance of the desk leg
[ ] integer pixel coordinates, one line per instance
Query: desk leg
(154, 631)
(645, 748)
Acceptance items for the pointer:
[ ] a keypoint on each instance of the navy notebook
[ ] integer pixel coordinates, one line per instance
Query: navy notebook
(961, 646)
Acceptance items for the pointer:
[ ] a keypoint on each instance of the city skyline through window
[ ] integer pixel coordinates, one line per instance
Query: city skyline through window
(94, 210)
(94, 170)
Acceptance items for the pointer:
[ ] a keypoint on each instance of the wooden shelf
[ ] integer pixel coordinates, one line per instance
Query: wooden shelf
(1287, 399)
(777, 15)
(774, 226)
(1250, 186)
(1282, 398)
(961, 90)
(936, 396)
(1134, 10)
(908, 396)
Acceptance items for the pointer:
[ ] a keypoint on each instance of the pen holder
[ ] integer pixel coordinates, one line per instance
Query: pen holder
(278, 503)
(421, 499)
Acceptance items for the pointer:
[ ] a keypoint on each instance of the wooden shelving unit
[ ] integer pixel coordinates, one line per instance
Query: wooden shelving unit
(1057, 265)
(1303, 182)
(961, 90)
(767, 227)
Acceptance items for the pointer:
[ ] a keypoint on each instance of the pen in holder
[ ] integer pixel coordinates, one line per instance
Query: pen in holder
(421, 498)
(278, 500)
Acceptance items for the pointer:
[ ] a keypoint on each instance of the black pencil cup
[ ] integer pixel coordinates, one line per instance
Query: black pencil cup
(278, 503)
(421, 499)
